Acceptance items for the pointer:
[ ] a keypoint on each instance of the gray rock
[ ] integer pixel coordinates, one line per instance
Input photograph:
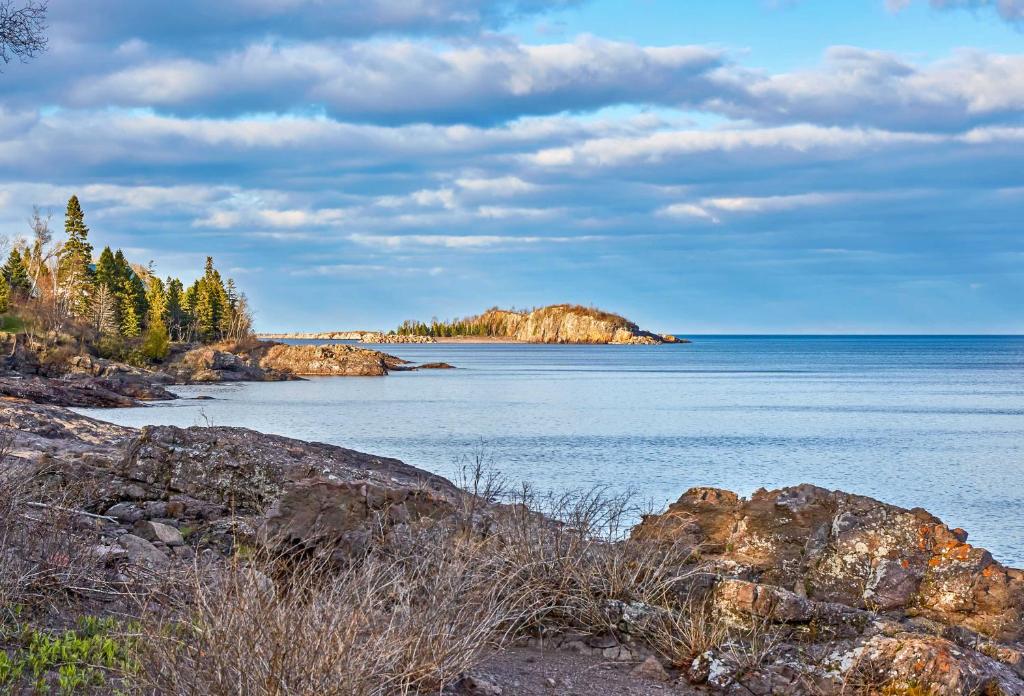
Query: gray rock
(142, 553)
(129, 513)
(891, 586)
(158, 532)
(472, 685)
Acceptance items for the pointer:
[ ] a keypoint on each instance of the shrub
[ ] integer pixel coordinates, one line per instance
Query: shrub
(157, 342)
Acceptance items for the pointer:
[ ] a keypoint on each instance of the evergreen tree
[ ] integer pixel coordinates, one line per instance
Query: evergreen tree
(16, 275)
(207, 312)
(156, 299)
(157, 340)
(212, 305)
(107, 270)
(130, 321)
(174, 312)
(74, 275)
(5, 295)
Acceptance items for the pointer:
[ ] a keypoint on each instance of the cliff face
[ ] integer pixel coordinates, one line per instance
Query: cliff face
(568, 324)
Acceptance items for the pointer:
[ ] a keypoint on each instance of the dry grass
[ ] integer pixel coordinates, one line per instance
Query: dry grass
(411, 615)
(46, 553)
(411, 618)
(378, 626)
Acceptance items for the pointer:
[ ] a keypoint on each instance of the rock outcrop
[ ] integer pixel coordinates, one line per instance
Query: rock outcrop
(327, 360)
(822, 592)
(222, 486)
(871, 584)
(557, 324)
(55, 375)
(64, 376)
(268, 361)
(573, 324)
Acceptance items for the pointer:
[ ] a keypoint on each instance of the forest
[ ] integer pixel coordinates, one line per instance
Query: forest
(52, 289)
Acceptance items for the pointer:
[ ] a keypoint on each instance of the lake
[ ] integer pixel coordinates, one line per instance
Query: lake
(935, 422)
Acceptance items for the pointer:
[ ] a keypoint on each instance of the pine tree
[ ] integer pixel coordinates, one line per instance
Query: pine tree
(156, 299)
(16, 274)
(5, 295)
(130, 321)
(207, 312)
(157, 340)
(212, 305)
(174, 312)
(107, 270)
(74, 274)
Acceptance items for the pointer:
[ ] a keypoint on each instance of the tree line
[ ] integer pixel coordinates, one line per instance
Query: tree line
(494, 322)
(124, 309)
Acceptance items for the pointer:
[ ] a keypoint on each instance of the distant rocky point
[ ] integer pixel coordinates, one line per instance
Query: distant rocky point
(563, 323)
(360, 336)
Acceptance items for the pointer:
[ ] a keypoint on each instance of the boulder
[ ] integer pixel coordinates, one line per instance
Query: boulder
(835, 547)
(651, 669)
(327, 360)
(158, 532)
(348, 516)
(142, 553)
(246, 471)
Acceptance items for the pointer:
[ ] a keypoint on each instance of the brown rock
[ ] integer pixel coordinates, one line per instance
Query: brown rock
(346, 515)
(835, 547)
(158, 532)
(651, 669)
(330, 360)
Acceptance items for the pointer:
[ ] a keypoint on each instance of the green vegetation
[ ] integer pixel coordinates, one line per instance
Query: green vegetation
(72, 662)
(122, 309)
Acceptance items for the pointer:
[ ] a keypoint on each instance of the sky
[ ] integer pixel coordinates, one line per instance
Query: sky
(741, 166)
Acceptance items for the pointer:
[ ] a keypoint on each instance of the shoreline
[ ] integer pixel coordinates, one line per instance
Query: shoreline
(497, 340)
(870, 577)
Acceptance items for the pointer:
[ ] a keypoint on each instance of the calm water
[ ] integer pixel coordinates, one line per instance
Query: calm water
(935, 422)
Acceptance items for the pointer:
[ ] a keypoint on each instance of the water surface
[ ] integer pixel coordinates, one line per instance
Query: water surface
(936, 422)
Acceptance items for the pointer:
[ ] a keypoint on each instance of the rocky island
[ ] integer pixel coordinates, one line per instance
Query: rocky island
(562, 323)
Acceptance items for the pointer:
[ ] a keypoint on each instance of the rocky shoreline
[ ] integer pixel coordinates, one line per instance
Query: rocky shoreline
(62, 376)
(801, 590)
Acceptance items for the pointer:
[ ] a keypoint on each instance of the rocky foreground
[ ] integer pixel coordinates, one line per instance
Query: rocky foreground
(69, 376)
(794, 591)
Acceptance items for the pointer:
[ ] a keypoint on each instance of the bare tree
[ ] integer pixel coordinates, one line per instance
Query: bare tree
(41, 250)
(22, 29)
(104, 311)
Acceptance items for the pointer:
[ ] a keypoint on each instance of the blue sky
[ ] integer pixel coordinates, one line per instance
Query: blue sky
(761, 166)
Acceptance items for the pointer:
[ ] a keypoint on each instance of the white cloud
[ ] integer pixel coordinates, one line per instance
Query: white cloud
(471, 241)
(804, 140)
(1010, 10)
(499, 186)
(688, 210)
(405, 81)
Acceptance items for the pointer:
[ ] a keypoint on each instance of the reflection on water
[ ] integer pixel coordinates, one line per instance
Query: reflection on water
(935, 422)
